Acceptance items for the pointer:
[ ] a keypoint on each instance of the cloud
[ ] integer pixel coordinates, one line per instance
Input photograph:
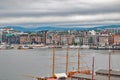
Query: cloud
(59, 12)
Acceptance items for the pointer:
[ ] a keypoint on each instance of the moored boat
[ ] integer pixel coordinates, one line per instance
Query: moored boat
(24, 47)
(67, 74)
(85, 47)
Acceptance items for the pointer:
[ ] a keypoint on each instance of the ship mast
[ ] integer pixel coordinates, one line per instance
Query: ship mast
(53, 61)
(109, 64)
(78, 59)
(67, 59)
(93, 66)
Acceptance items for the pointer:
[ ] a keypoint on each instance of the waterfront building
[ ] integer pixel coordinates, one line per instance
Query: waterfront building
(104, 38)
(30, 38)
(85, 37)
(92, 38)
(7, 30)
(78, 41)
(4, 38)
(55, 38)
(49, 38)
(24, 38)
(67, 39)
(12, 39)
(89, 38)
(116, 39)
(1, 35)
(10, 35)
(79, 38)
(34, 38)
(114, 30)
(42, 36)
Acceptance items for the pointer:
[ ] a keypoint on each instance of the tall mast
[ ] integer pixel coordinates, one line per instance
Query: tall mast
(67, 59)
(109, 64)
(78, 59)
(53, 61)
(93, 66)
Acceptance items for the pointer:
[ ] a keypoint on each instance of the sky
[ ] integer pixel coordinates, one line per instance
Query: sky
(59, 12)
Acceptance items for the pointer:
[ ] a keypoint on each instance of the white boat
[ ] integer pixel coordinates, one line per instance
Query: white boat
(44, 47)
(6, 46)
(74, 47)
(85, 47)
(25, 47)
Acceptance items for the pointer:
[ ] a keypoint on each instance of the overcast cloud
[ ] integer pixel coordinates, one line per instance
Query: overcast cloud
(59, 12)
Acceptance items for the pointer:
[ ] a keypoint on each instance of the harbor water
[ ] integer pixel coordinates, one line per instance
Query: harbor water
(24, 64)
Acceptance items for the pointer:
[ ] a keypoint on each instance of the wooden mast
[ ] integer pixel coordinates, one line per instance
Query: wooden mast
(53, 61)
(109, 64)
(78, 59)
(67, 59)
(93, 66)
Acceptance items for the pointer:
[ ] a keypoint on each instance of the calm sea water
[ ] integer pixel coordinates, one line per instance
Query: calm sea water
(22, 64)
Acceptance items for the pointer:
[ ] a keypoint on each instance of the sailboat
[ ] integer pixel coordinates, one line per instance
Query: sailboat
(71, 73)
(67, 74)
